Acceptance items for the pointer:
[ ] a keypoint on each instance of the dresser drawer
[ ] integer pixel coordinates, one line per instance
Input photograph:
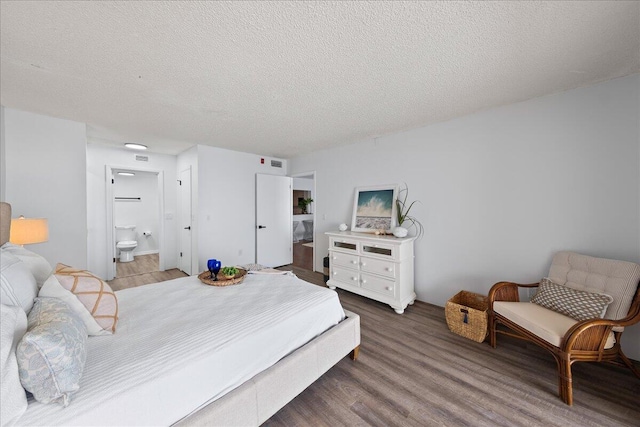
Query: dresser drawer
(344, 275)
(346, 260)
(378, 266)
(343, 245)
(377, 284)
(379, 250)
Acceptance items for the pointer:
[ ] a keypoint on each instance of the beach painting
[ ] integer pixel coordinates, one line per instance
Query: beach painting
(374, 208)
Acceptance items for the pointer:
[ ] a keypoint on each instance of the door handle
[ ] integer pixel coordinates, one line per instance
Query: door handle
(188, 228)
(262, 226)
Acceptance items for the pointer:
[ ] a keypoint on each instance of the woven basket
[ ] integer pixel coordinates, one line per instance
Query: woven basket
(466, 314)
(205, 278)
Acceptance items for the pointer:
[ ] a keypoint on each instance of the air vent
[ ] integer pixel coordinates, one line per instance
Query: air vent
(276, 164)
(142, 158)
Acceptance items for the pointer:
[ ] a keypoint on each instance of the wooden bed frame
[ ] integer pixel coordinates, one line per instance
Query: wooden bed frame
(255, 401)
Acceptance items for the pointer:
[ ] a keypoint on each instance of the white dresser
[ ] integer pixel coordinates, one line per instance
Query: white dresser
(377, 267)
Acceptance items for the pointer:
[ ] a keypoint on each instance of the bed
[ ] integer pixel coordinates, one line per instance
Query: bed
(189, 354)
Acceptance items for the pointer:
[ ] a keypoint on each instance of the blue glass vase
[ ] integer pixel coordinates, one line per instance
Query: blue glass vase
(214, 268)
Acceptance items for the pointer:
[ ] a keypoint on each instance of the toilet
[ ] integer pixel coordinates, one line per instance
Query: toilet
(126, 241)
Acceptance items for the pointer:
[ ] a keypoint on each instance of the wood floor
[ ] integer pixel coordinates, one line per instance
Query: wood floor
(412, 371)
(140, 264)
(144, 279)
(302, 255)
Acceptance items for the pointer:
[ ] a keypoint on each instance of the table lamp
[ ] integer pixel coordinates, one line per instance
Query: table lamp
(26, 231)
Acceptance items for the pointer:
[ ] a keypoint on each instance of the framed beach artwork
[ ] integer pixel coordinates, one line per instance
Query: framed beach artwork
(374, 209)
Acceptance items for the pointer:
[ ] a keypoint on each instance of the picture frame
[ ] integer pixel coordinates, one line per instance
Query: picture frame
(374, 209)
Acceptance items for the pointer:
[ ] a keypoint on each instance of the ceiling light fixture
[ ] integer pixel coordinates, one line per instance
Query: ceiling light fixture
(126, 173)
(135, 146)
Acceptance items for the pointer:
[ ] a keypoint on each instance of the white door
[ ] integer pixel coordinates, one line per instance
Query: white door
(274, 216)
(184, 221)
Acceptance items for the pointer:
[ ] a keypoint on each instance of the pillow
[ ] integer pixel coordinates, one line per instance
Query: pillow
(579, 305)
(39, 267)
(53, 289)
(17, 285)
(13, 399)
(52, 354)
(94, 293)
(253, 267)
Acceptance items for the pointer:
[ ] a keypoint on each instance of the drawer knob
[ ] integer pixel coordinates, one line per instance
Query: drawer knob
(335, 273)
(354, 278)
(364, 281)
(354, 262)
(364, 263)
(389, 288)
(335, 257)
(389, 269)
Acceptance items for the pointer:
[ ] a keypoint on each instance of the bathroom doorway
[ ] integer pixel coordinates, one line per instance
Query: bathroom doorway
(304, 191)
(135, 228)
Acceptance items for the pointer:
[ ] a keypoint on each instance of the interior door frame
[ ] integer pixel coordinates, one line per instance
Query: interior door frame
(111, 231)
(315, 209)
(193, 262)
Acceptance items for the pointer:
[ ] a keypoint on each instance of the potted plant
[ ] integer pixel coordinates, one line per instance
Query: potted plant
(304, 203)
(229, 272)
(404, 219)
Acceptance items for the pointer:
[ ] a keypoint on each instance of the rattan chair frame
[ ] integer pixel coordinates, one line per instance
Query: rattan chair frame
(584, 342)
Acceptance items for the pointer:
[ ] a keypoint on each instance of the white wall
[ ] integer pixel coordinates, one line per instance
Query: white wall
(502, 190)
(143, 213)
(98, 157)
(3, 159)
(46, 178)
(226, 213)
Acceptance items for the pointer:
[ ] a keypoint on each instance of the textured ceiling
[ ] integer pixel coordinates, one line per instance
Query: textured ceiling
(286, 78)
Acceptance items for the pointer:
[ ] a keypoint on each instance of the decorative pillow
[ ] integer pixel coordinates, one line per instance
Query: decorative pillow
(53, 289)
(253, 267)
(17, 285)
(13, 399)
(52, 354)
(39, 267)
(94, 293)
(579, 305)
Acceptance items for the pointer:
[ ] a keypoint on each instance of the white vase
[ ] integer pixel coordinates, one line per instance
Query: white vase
(400, 232)
(342, 227)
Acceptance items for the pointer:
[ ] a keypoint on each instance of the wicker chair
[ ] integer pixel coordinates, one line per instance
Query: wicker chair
(569, 340)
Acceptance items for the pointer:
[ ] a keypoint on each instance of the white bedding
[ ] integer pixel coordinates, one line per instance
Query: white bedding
(181, 344)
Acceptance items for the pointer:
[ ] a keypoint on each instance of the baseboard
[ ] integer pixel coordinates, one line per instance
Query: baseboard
(135, 253)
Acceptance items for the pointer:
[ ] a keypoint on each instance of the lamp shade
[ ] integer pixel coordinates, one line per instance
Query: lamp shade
(25, 231)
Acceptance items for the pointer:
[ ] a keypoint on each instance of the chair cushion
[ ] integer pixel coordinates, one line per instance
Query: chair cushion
(616, 278)
(542, 322)
(579, 305)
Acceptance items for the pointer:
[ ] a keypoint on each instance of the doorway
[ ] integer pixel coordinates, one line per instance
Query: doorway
(304, 214)
(273, 220)
(134, 222)
(185, 221)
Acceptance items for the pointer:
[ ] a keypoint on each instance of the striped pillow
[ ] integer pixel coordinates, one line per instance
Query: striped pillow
(94, 293)
(579, 305)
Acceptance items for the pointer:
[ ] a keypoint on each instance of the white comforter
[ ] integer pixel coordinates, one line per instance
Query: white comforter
(181, 344)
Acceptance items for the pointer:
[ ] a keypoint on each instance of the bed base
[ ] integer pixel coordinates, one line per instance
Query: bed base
(258, 399)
